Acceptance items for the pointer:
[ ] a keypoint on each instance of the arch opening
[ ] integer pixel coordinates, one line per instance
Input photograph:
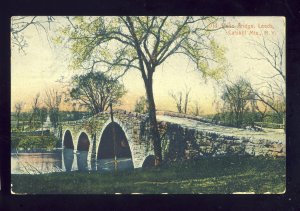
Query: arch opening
(149, 162)
(68, 140)
(83, 142)
(68, 158)
(114, 144)
(68, 148)
(82, 149)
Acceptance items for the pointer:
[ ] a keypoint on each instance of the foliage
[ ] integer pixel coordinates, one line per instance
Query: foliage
(34, 142)
(73, 115)
(237, 98)
(141, 105)
(42, 115)
(118, 44)
(28, 123)
(274, 117)
(241, 107)
(95, 90)
(218, 175)
(225, 118)
(54, 116)
(42, 112)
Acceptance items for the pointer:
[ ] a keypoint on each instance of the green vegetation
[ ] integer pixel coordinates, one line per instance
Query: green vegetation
(241, 107)
(141, 105)
(118, 44)
(249, 118)
(95, 90)
(33, 141)
(206, 175)
(24, 124)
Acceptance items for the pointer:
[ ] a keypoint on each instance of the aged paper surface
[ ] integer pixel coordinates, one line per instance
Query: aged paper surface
(104, 105)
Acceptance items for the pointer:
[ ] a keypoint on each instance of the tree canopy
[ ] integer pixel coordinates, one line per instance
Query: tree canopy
(121, 43)
(237, 97)
(117, 44)
(141, 105)
(95, 90)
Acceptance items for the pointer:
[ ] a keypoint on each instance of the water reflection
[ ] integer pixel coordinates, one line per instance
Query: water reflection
(111, 164)
(34, 163)
(68, 157)
(82, 161)
(64, 160)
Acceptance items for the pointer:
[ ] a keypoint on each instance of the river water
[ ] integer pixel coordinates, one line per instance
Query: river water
(64, 160)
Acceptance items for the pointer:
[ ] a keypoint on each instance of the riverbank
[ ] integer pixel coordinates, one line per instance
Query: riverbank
(207, 176)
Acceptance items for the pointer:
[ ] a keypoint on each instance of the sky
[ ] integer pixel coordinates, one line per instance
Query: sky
(43, 64)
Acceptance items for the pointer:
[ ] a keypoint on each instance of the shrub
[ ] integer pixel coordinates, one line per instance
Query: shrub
(38, 142)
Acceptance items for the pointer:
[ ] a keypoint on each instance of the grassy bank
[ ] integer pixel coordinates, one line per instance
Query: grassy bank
(208, 175)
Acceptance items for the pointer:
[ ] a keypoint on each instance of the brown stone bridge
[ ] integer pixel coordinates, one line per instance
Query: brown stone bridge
(183, 137)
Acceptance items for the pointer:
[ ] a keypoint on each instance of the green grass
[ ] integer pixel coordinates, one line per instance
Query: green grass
(207, 175)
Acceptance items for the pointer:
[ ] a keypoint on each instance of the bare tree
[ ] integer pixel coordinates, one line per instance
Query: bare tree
(272, 90)
(19, 24)
(262, 110)
(187, 93)
(18, 109)
(178, 100)
(271, 99)
(52, 101)
(35, 106)
(181, 104)
(197, 109)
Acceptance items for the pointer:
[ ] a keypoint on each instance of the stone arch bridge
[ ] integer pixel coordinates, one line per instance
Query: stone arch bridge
(183, 137)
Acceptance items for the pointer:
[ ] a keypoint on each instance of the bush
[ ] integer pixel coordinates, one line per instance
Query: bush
(15, 140)
(38, 142)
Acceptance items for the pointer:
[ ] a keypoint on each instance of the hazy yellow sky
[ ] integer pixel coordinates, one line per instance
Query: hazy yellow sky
(44, 64)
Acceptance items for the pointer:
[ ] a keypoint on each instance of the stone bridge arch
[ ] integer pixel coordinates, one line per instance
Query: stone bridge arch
(135, 128)
(68, 149)
(83, 142)
(84, 150)
(127, 132)
(149, 161)
(67, 139)
(77, 137)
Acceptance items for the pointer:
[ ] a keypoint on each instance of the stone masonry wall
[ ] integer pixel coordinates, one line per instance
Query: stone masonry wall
(180, 143)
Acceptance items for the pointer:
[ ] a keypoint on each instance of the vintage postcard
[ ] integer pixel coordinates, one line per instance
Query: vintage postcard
(148, 105)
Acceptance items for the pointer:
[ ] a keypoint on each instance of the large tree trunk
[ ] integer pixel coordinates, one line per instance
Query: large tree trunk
(153, 123)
